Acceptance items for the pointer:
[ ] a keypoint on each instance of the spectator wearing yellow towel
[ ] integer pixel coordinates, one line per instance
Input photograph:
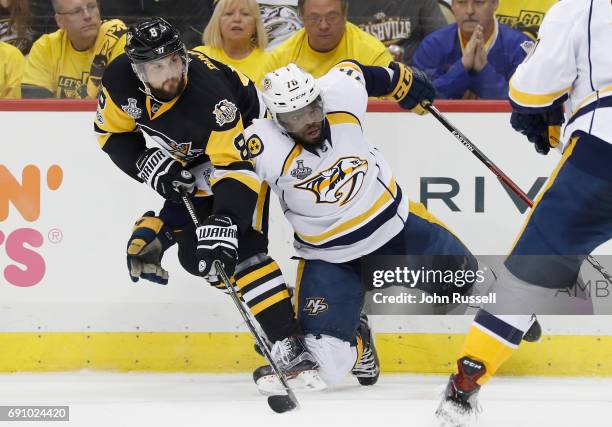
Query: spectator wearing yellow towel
(235, 36)
(69, 62)
(12, 64)
(326, 39)
(523, 15)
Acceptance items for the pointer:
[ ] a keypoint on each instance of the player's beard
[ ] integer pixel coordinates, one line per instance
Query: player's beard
(303, 138)
(170, 89)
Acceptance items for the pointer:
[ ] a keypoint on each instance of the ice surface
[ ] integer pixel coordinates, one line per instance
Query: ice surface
(177, 400)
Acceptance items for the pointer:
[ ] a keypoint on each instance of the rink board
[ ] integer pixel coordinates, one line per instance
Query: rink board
(66, 301)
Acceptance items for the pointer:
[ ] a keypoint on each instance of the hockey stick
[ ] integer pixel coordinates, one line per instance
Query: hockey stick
(278, 403)
(505, 180)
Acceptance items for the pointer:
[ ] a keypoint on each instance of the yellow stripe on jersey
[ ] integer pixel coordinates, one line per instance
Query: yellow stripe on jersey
(295, 151)
(298, 281)
(247, 178)
(111, 118)
(347, 64)
(421, 211)
(342, 117)
(358, 220)
(535, 100)
(221, 148)
(257, 274)
(261, 203)
(162, 109)
(258, 308)
(593, 96)
(551, 180)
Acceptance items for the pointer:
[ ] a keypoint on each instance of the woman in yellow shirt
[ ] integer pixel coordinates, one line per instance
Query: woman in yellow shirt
(12, 64)
(235, 36)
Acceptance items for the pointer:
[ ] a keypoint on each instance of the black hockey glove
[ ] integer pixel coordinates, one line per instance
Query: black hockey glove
(543, 129)
(410, 87)
(149, 240)
(160, 171)
(217, 241)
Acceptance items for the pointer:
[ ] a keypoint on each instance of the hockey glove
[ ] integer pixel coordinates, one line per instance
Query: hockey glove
(217, 241)
(160, 171)
(410, 87)
(149, 240)
(542, 129)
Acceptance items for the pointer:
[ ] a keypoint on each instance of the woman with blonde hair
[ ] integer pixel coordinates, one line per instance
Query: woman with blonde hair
(235, 36)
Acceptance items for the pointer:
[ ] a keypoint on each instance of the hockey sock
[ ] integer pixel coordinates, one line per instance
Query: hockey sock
(264, 291)
(492, 340)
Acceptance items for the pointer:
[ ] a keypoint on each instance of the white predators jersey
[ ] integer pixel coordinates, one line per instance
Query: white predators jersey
(342, 199)
(573, 57)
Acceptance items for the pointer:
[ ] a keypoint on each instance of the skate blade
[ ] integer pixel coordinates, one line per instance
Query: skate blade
(304, 381)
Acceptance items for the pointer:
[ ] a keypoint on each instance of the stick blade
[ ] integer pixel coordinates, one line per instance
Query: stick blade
(281, 403)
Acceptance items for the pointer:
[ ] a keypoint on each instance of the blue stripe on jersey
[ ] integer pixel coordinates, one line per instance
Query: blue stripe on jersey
(499, 327)
(600, 103)
(362, 232)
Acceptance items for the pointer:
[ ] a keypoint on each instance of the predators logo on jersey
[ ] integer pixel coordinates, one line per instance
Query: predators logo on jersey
(340, 183)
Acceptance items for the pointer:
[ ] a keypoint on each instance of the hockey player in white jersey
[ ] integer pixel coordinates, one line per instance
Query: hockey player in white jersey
(570, 66)
(343, 202)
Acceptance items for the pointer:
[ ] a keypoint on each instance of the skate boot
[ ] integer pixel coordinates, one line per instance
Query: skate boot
(367, 368)
(296, 362)
(459, 405)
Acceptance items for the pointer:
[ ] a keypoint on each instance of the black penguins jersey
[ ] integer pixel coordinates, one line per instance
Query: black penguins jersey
(204, 123)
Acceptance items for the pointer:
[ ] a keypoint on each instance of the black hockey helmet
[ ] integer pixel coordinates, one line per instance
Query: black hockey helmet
(152, 39)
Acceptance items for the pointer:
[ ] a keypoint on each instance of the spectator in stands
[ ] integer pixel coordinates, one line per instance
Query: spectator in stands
(43, 18)
(15, 24)
(188, 16)
(280, 20)
(475, 57)
(69, 62)
(235, 35)
(326, 39)
(524, 15)
(400, 25)
(11, 71)
(447, 12)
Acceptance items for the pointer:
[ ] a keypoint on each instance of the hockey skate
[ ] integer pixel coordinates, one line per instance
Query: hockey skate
(459, 405)
(296, 362)
(367, 368)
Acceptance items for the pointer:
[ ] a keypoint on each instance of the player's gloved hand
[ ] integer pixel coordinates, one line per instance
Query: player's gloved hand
(543, 129)
(149, 240)
(160, 171)
(411, 87)
(217, 241)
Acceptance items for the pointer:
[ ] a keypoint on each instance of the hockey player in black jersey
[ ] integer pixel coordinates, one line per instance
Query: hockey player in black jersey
(173, 120)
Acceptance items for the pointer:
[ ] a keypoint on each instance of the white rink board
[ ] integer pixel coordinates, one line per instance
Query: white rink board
(86, 285)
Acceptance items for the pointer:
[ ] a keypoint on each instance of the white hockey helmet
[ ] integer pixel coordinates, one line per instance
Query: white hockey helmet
(289, 89)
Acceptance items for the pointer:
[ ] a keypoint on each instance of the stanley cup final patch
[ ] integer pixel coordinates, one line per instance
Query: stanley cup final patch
(225, 112)
(132, 109)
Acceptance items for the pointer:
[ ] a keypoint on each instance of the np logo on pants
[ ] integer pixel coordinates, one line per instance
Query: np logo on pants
(315, 306)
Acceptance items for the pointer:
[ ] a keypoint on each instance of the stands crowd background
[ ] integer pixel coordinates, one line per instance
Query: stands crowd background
(469, 48)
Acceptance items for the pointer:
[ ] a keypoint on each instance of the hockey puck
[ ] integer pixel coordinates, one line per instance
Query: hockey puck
(281, 403)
